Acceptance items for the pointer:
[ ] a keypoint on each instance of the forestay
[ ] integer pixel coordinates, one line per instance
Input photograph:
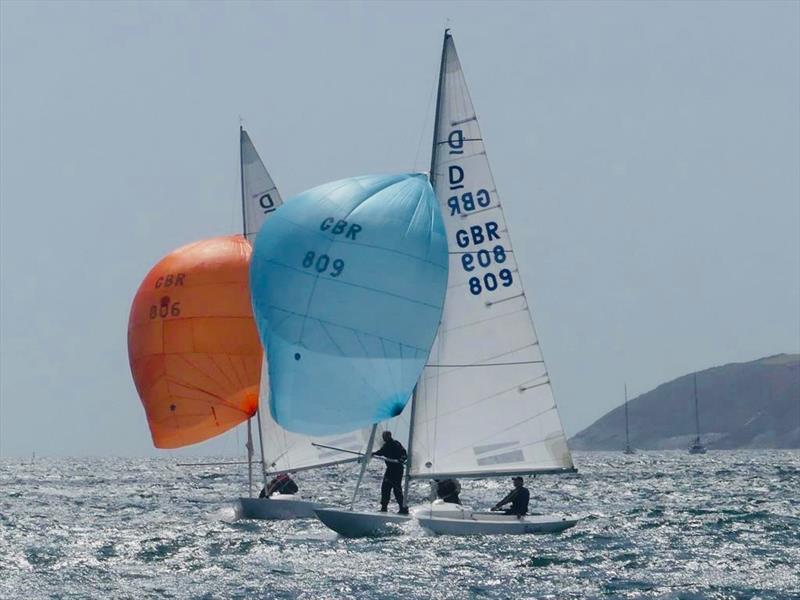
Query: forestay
(348, 283)
(260, 197)
(484, 404)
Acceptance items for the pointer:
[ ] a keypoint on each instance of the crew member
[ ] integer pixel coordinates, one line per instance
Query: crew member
(395, 456)
(446, 490)
(281, 484)
(518, 497)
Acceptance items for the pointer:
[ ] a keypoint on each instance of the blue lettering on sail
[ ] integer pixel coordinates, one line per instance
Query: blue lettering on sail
(467, 202)
(456, 175)
(456, 141)
(338, 227)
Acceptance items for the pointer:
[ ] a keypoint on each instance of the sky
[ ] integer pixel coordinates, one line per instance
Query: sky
(647, 155)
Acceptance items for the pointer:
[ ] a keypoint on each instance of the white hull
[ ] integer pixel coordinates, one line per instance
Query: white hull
(452, 519)
(277, 507)
(351, 523)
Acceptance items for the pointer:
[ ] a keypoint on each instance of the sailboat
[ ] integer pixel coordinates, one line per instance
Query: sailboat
(347, 285)
(281, 451)
(192, 342)
(628, 448)
(697, 446)
(483, 406)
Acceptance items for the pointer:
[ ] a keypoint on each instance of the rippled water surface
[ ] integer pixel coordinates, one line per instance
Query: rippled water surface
(661, 525)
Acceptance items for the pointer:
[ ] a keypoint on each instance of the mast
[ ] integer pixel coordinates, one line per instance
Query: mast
(627, 437)
(241, 181)
(407, 477)
(366, 458)
(261, 444)
(438, 106)
(249, 446)
(696, 412)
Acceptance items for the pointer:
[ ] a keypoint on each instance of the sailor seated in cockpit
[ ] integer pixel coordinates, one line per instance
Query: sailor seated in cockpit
(518, 497)
(282, 484)
(447, 490)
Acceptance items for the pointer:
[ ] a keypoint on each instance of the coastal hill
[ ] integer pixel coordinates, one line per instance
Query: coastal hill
(742, 405)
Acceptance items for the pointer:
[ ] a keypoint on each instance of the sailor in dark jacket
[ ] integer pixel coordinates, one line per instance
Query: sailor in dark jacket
(447, 490)
(393, 477)
(518, 497)
(282, 484)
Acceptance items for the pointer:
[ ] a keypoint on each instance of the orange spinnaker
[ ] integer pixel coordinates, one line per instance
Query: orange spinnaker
(193, 347)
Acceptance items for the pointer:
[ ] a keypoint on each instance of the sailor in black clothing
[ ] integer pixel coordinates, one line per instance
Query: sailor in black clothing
(282, 484)
(447, 490)
(393, 477)
(518, 497)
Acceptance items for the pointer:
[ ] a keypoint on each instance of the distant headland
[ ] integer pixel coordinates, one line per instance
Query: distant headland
(741, 405)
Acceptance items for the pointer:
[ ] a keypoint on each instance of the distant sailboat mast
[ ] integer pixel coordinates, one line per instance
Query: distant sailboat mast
(628, 449)
(696, 414)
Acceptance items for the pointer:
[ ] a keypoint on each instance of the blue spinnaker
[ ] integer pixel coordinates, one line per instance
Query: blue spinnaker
(348, 282)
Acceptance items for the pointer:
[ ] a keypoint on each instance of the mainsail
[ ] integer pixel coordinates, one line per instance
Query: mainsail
(484, 405)
(348, 283)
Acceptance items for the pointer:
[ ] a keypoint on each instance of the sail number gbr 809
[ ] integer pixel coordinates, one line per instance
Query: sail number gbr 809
(486, 234)
(472, 261)
(322, 263)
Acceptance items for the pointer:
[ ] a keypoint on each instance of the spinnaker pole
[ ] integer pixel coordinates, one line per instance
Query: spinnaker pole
(366, 459)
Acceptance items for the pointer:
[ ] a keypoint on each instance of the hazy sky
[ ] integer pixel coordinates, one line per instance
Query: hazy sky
(647, 155)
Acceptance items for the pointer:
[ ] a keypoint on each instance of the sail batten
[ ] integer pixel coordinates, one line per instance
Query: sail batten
(484, 405)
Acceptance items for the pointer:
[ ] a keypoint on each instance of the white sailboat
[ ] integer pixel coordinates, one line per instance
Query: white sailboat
(697, 446)
(281, 451)
(484, 405)
(628, 449)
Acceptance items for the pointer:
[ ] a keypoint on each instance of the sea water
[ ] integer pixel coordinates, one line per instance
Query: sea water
(656, 525)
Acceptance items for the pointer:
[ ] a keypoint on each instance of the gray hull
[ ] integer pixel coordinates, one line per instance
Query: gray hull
(480, 524)
(359, 524)
(277, 509)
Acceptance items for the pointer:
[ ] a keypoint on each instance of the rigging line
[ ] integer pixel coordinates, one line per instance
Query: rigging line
(462, 139)
(354, 330)
(459, 252)
(480, 210)
(503, 364)
(222, 382)
(521, 295)
(351, 284)
(497, 394)
(425, 120)
(488, 358)
(481, 321)
(345, 242)
(507, 429)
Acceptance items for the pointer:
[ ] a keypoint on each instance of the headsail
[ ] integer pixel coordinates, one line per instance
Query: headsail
(484, 404)
(260, 197)
(192, 343)
(348, 283)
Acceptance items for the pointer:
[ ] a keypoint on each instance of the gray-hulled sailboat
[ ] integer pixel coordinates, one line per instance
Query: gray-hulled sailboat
(281, 451)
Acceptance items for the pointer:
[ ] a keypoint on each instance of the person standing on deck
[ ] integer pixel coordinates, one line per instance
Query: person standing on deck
(393, 476)
(518, 497)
